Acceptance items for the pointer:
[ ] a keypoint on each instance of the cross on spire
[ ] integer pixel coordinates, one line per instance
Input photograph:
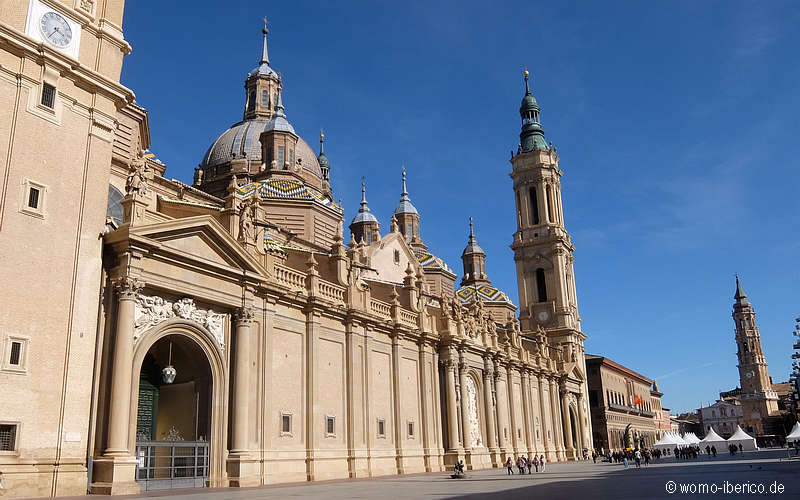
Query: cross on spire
(264, 53)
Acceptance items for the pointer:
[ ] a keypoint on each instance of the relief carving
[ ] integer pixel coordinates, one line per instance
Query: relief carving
(152, 310)
(472, 414)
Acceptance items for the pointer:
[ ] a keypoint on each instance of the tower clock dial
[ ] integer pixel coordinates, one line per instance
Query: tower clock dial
(55, 29)
(543, 316)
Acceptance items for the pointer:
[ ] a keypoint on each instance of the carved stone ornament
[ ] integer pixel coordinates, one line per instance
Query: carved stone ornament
(152, 310)
(173, 435)
(472, 414)
(87, 6)
(128, 287)
(244, 315)
(136, 183)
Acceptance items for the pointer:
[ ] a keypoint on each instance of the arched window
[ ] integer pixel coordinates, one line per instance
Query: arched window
(541, 286)
(265, 98)
(549, 202)
(519, 213)
(534, 206)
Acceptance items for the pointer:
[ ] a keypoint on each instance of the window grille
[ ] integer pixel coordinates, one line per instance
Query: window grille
(16, 353)
(381, 428)
(330, 425)
(8, 437)
(411, 429)
(48, 95)
(33, 198)
(286, 423)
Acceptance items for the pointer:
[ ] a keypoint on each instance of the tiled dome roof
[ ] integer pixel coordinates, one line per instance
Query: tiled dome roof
(242, 140)
(430, 261)
(275, 188)
(486, 293)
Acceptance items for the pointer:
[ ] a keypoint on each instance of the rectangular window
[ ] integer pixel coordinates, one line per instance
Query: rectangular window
(33, 198)
(265, 98)
(330, 426)
(48, 95)
(8, 437)
(410, 429)
(381, 428)
(286, 423)
(16, 353)
(281, 156)
(291, 157)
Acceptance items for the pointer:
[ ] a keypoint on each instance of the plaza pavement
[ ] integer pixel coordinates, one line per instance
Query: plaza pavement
(584, 480)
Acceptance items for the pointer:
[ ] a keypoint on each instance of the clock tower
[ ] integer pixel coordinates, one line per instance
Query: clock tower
(542, 248)
(758, 399)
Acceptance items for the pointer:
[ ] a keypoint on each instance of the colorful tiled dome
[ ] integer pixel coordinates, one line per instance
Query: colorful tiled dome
(430, 261)
(287, 189)
(486, 293)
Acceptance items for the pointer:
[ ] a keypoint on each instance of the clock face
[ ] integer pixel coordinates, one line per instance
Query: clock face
(55, 29)
(543, 316)
(749, 375)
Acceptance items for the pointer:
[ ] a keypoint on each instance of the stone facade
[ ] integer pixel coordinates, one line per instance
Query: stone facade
(231, 315)
(722, 416)
(619, 396)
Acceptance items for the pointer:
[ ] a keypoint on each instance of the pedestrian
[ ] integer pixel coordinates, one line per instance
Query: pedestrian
(536, 463)
(740, 448)
(510, 465)
(528, 464)
(638, 458)
(714, 451)
(625, 460)
(541, 461)
(594, 456)
(708, 451)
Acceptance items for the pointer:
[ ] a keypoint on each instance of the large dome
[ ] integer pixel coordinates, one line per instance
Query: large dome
(241, 140)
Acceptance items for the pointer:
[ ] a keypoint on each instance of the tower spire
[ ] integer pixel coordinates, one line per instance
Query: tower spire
(527, 89)
(532, 134)
(404, 193)
(264, 53)
(324, 164)
(365, 226)
(740, 295)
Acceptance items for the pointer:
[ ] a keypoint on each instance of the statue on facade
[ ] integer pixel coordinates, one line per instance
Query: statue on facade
(491, 326)
(246, 220)
(136, 183)
(513, 331)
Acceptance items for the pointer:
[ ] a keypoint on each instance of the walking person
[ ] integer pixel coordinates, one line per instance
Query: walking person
(521, 465)
(638, 459)
(510, 465)
(528, 464)
(714, 451)
(536, 463)
(541, 461)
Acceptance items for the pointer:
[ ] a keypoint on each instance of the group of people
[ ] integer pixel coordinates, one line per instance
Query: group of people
(524, 463)
(688, 452)
(732, 448)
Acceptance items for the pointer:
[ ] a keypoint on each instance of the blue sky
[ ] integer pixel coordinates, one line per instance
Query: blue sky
(675, 122)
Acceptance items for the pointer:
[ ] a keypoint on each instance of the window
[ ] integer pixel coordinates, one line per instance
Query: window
(330, 426)
(410, 231)
(251, 101)
(281, 156)
(519, 433)
(505, 432)
(265, 98)
(534, 206)
(8, 437)
(548, 195)
(15, 354)
(381, 428)
(397, 256)
(291, 157)
(286, 424)
(541, 286)
(32, 200)
(33, 197)
(48, 96)
(411, 429)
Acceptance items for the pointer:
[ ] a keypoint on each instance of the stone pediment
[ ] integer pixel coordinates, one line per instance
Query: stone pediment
(201, 239)
(382, 258)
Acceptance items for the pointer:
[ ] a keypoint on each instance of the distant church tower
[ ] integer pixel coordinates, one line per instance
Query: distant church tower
(758, 398)
(542, 247)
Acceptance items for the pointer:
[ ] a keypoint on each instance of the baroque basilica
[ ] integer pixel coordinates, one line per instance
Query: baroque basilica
(230, 332)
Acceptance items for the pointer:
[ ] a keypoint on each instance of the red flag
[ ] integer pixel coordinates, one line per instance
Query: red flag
(637, 400)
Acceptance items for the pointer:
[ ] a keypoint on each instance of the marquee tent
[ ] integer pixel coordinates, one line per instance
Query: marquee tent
(711, 439)
(690, 438)
(795, 434)
(740, 437)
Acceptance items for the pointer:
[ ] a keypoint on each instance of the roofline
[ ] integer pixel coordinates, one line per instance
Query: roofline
(602, 360)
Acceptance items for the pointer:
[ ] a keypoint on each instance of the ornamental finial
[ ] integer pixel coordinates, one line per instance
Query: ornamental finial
(264, 53)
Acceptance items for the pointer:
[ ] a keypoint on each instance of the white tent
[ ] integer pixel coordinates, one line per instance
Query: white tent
(740, 437)
(711, 439)
(666, 441)
(690, 438)
(795, 434)
(680, 441)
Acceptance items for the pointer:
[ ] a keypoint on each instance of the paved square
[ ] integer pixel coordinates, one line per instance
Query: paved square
(752, 471)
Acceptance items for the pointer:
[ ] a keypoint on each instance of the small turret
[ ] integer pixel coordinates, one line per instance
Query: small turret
(408, 218)
(532, 134)
(365, 226)
(474, 260)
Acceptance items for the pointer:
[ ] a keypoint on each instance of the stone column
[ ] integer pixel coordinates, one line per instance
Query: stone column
(243, 319)
(452, 409)
(511, 413)
(425, 403)
(558, 421)
(502, 408)
(581, 427)
(438, 439)
(462, 379)
(526, 399)
(544, 419)
(398, 425)
(122, 371)
(567, 427)
(488, 403)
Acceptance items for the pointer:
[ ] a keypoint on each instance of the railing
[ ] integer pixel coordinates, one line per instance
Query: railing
(331, 291)
(290, 277)
(171, 464)
(408, 318)
(380, 308)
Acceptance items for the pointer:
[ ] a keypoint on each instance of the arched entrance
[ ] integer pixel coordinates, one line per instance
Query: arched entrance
(176, 424)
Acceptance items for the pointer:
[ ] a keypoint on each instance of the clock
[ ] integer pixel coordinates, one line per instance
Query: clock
(543, 316)
(55, 29)
(749, 374)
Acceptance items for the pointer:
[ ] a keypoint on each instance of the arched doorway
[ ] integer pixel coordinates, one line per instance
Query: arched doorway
(174, 421)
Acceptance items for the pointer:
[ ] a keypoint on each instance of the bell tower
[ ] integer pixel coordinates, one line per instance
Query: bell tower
(758, 398)
(542, 248)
